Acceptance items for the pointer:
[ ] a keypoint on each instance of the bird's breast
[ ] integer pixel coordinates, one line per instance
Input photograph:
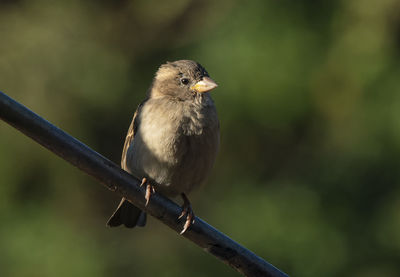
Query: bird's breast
(175, 146)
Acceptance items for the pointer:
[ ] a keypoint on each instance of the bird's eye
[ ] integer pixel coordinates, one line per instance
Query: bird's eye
(185, 81)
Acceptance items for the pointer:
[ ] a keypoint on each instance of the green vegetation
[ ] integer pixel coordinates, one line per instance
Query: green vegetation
(309, 101)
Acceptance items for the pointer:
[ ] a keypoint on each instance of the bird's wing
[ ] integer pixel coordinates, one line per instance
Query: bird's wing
(131, 134)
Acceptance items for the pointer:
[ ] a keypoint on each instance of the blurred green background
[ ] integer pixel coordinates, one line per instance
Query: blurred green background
(309, 103)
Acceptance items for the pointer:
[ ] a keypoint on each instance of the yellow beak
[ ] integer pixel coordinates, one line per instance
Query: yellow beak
(205, 85)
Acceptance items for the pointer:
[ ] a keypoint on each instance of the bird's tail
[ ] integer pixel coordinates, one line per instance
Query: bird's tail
(127, 214)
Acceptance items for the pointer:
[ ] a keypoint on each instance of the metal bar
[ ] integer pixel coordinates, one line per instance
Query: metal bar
(121, 182)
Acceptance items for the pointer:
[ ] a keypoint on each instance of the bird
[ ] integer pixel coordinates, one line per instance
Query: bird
(173, 139)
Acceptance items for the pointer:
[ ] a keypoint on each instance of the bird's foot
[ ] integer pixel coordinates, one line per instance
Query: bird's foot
(149, 190)
(188, 212)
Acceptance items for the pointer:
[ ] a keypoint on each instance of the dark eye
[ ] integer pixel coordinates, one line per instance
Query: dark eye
(185, 81)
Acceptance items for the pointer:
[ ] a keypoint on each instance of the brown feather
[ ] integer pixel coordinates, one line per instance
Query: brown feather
(126, 213)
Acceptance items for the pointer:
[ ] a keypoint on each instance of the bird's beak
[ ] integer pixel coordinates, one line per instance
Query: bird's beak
(205, 85)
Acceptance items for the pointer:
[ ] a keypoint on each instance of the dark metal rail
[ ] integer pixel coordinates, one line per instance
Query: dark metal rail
(121, 182)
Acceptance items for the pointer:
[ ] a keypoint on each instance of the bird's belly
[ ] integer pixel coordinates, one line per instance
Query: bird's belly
(177, 164)
(195, 164)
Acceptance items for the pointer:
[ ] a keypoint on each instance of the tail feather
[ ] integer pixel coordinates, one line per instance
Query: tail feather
(128, 215)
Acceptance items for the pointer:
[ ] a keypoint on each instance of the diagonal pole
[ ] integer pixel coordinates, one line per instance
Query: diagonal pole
(121, 182)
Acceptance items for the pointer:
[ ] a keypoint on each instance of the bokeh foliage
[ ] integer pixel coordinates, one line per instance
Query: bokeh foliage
(309, 102)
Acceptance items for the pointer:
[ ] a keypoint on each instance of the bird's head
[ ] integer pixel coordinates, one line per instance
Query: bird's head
(181, 79)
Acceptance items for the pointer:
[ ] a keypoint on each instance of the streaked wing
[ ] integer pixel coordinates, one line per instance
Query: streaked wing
(131, 134)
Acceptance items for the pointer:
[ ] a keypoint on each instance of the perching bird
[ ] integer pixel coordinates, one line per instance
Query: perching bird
(173, 139)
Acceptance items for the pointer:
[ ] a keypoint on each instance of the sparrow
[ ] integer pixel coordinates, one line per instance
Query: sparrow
(173, 140)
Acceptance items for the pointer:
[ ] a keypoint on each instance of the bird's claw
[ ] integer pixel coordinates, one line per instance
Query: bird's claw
(188, 212)
(149, 190)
